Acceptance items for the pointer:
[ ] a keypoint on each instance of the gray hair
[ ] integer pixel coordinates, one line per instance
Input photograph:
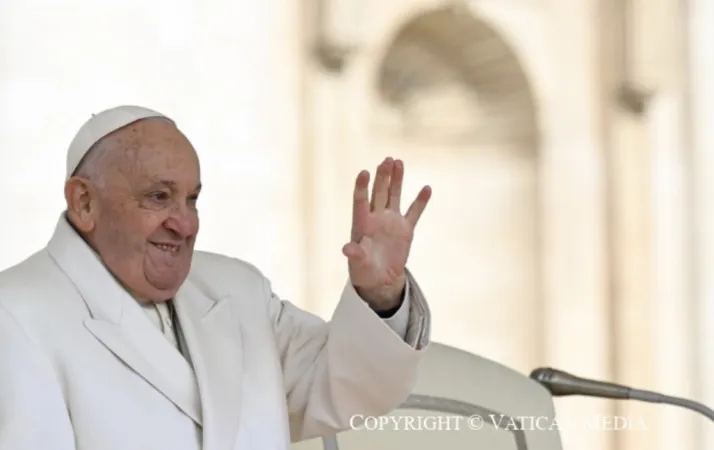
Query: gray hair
(96, 162)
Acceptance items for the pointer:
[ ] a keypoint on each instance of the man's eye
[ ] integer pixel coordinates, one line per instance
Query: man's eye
(159, 196)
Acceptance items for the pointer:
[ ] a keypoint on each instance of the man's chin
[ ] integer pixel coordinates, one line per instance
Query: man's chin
(162, 292)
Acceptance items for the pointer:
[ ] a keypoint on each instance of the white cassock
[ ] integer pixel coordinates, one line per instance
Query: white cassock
(83, 366)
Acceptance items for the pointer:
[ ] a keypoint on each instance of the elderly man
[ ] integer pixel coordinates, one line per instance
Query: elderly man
(119, 336)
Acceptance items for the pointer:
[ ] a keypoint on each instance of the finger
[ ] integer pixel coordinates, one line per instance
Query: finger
(360, 206)
(418, 206)
(395, 186)
(380, 189)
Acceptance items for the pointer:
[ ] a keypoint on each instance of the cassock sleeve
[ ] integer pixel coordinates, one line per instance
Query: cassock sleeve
(399, 322)
(354, 366)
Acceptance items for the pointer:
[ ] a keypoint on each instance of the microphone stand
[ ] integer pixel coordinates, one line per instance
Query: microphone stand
(653, 397)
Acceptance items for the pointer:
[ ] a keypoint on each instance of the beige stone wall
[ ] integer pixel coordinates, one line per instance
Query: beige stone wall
(525, 289)
(606, 229)
(565, 230)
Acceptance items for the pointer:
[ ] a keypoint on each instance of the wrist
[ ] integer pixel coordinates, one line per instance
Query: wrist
(384, 299)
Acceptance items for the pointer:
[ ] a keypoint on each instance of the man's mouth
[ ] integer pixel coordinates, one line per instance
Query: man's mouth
(172, 248)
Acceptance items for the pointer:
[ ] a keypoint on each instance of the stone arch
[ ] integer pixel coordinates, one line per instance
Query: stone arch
(451, 93)
(447, 61)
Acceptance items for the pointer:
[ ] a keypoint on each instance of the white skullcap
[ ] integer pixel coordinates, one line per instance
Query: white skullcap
(99, 126)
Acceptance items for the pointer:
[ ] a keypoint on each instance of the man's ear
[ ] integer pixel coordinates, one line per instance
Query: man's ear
(82, 203)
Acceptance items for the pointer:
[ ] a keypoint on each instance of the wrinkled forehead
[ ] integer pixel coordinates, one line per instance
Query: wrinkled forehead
(155, 147)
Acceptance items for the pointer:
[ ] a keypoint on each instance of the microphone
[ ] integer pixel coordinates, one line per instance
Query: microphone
(561, 383)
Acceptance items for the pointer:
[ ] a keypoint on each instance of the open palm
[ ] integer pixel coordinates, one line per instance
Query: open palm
(381, 236)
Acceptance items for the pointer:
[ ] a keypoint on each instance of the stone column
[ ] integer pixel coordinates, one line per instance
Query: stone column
(328, 177)
(673, 305)
(649, 198)
(573, 190)
(701, 77)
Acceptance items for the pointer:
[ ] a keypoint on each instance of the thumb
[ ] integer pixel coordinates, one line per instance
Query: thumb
(354, 252)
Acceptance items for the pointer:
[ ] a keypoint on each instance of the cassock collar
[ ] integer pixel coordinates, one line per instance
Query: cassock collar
(104, 295)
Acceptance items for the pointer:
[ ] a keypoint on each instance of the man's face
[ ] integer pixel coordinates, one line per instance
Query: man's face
(146, 224)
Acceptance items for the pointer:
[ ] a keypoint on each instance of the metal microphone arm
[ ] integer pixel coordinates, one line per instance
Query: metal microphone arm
(653, 397)
(560, 383)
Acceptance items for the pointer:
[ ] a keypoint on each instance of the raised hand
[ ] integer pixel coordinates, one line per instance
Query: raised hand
(381, 236)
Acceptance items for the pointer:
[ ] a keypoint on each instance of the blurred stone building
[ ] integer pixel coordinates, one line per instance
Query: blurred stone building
(567, 143)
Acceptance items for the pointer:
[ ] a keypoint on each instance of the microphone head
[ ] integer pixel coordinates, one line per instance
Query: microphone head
(556, 381)
(561, 383)
(541, 374)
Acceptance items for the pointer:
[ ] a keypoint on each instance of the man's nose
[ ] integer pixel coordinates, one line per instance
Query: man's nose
(183, 221)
